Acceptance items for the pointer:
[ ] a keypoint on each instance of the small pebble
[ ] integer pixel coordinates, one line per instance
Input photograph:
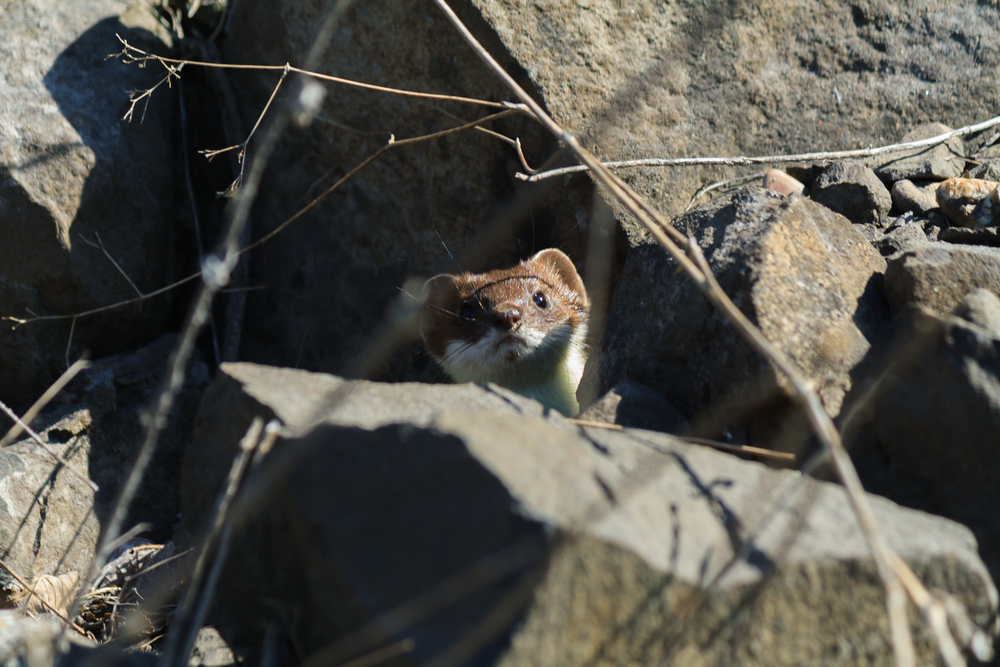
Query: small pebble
(969, 202)
(779, 181)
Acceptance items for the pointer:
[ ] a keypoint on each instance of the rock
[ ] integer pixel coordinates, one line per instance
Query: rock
(935, 419)
(988, 236)
(900, 237)
(853, 190)
(71, 171)
(47, 511)
(801, 272)
(939, 276)
(780, 182)
(910, 198)
(468, 511)
(937, 162)
(969, 202)
(98, 428)
(987, 170)
(211, 650)
(636, 406)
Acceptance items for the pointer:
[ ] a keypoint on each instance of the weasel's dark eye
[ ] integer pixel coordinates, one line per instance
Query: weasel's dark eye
(467, 311)
(540, 300)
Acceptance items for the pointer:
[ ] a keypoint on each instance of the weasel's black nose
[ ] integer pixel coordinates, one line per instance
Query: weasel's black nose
(506, 317)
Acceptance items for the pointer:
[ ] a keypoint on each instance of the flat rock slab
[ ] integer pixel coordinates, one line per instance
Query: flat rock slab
(487, 531)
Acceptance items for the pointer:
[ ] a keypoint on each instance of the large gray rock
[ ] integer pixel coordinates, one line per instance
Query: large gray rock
(801, 272)
(50, 517)
(469, 521)
(71, 170)
(940, 419)
(929, 437)
(634, 80)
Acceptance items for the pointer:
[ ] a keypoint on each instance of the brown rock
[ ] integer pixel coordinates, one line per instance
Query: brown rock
(934, 419)
(969, 202)
(987, 236)
(902, 236)
(853, 190)
(782, 183)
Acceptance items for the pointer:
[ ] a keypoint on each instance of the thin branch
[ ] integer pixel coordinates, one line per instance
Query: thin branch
(100, 245)
(711, 187)
(392, 143)
(93, 311)
(190, 612)
(235, 185)
(26, 586)
(131, 54)
(769, 159)
(723, 446)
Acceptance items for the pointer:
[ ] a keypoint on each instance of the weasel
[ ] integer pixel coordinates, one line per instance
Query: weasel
(522, 328)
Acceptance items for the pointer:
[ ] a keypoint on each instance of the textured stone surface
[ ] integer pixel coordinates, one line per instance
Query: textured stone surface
(800, 271)
(903, 235)
(930, 439)
(937, 162)
(635, 406)
(939, 419)
(853, 190)
(578, 545)
(71, 170)
(49, 517)
(939, 276)
(988, 236)
(969, 202)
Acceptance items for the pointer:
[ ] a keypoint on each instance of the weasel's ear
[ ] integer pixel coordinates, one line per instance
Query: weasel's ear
(438, 287)
(438, 302)
(564, 268)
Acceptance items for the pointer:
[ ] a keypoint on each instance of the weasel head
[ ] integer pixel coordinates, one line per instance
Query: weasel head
(522, 328)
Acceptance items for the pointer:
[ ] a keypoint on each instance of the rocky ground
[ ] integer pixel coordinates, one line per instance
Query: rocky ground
(290, 515)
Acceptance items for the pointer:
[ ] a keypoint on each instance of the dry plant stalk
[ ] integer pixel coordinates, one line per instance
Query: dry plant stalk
(821, 156)
(892, 570)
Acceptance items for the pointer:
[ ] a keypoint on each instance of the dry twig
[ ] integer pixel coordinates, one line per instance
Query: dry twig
(768, 159)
